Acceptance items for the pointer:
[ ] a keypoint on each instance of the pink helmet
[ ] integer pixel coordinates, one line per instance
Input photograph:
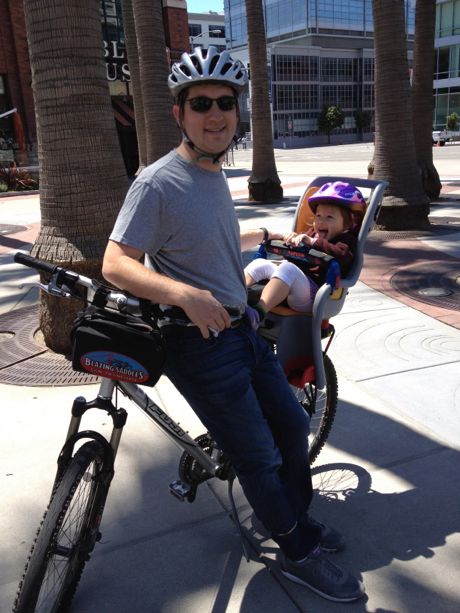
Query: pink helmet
(341, 194)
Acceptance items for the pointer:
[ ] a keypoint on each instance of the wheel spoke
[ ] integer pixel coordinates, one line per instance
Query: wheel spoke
(62, 554)
(320, 404)
(57, 558)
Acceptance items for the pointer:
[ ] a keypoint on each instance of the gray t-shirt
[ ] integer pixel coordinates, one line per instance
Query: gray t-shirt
(183, 217)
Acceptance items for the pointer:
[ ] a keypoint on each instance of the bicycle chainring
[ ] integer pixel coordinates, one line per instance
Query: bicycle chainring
(190, 471)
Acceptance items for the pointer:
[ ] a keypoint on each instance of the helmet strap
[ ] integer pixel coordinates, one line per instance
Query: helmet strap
(204, 155)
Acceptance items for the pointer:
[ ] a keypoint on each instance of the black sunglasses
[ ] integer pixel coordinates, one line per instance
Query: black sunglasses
(202, 104)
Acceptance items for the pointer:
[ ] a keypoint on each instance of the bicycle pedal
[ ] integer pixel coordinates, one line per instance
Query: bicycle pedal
(179, 490)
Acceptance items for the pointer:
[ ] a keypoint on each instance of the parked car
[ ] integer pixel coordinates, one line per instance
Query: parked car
(444, 136)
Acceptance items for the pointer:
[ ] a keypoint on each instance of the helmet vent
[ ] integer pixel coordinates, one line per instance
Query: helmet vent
(213, 63)
(197, 64)
(226, 67)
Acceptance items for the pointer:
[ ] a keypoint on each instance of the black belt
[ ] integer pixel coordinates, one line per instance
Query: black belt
(184, 331)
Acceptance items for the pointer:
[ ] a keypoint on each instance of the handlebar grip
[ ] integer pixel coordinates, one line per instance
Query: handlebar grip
(31, 262)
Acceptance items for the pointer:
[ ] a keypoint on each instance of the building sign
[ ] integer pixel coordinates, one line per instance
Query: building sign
(116, 66)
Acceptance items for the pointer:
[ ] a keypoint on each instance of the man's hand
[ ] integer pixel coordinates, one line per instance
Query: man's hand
(123, 268)
(204, 311)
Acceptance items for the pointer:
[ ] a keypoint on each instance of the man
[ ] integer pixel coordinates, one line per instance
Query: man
(179, 213)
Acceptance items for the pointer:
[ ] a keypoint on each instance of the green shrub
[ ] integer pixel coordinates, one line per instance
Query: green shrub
(16, 179)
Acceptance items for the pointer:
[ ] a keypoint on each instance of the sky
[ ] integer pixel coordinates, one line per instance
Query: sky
(204, 6)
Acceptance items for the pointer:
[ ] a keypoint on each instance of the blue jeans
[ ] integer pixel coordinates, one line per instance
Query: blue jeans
(237, 388)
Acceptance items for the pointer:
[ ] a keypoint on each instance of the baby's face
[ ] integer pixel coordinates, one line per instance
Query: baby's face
(328, 222)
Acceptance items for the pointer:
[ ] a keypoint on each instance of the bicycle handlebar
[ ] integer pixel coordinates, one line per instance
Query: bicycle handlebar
(31, 262)
(66, 283)
(299, 252)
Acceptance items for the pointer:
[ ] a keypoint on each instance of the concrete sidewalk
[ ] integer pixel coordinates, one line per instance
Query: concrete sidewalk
(388, 477)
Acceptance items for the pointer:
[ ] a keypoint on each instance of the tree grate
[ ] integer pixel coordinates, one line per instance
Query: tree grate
(433, 275)
(448, 226)
(8, 229)
(23, 361)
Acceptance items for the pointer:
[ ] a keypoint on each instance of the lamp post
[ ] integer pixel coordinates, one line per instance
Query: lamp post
(194, 38)
(2, 115)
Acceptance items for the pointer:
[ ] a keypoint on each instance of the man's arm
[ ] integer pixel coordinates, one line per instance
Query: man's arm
(252, 238)
(122, 267)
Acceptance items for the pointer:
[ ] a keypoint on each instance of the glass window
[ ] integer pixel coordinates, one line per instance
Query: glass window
(6, 131)
(446, 19)
(368, 96)
(235, 22)
(217, 31)
(454, 104)
(194, 29)
(454, 61)
(457, 17)
(443, 63)
(112, 21)
(441, 111)
(368, 69)
(295, 68)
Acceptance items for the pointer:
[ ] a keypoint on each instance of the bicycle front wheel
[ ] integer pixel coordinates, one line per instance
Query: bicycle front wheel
(320, 404)
(66, 537)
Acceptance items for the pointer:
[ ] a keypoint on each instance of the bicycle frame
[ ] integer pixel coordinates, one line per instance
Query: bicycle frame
(137, 395)
(209, 463)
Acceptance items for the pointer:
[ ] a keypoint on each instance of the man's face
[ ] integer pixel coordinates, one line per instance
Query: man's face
(211, 131)
(329, 221)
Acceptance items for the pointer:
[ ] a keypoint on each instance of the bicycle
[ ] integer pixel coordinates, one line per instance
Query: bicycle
(85, 466)
(70, 527)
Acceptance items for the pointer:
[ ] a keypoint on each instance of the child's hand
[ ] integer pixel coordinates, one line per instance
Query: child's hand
(289, 238)
(301, 239)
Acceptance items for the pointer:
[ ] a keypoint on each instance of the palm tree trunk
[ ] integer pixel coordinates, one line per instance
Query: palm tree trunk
(405, 205)
(136, 88)
(162, 134)
(264, 183)
(82, 176)
(422, 95)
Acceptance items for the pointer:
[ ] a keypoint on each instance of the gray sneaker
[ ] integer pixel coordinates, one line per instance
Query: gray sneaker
(323, 577)
(330, 540)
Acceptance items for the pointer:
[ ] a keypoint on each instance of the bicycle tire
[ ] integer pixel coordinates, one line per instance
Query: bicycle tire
(66, 536)
(341, 481)
(321, 407)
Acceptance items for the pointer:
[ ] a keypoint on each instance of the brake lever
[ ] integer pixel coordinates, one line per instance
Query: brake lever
(49, 289)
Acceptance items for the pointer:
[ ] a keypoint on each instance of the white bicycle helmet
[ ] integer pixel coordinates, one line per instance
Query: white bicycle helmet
(207, 66)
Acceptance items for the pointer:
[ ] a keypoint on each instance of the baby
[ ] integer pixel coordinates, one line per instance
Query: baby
(338, 210)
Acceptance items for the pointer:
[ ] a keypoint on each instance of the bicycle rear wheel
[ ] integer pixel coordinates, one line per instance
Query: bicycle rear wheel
(66, 537)
(321, 405)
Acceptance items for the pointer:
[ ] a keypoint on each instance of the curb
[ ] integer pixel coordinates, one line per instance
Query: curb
(25, 192)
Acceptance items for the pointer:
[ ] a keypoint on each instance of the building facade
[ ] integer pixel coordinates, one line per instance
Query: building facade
(319, 53)
(18, 137)
(17, 117)
(206, 29)
(447, 62)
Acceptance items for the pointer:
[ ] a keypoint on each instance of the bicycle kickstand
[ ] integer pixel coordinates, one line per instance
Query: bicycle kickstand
(236, 519)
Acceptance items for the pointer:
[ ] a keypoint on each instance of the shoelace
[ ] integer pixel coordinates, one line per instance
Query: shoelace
(327, 567)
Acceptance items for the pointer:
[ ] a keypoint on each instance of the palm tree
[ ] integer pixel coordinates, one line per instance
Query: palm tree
(405, 205)
(129, 28)
(161, 131)
(82, 176)
(422, 95)
(264, 183)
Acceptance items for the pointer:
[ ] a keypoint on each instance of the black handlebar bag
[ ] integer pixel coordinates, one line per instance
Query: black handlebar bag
(117, 346)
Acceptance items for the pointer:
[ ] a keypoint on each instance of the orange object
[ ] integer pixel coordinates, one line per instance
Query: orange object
(305, 217)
